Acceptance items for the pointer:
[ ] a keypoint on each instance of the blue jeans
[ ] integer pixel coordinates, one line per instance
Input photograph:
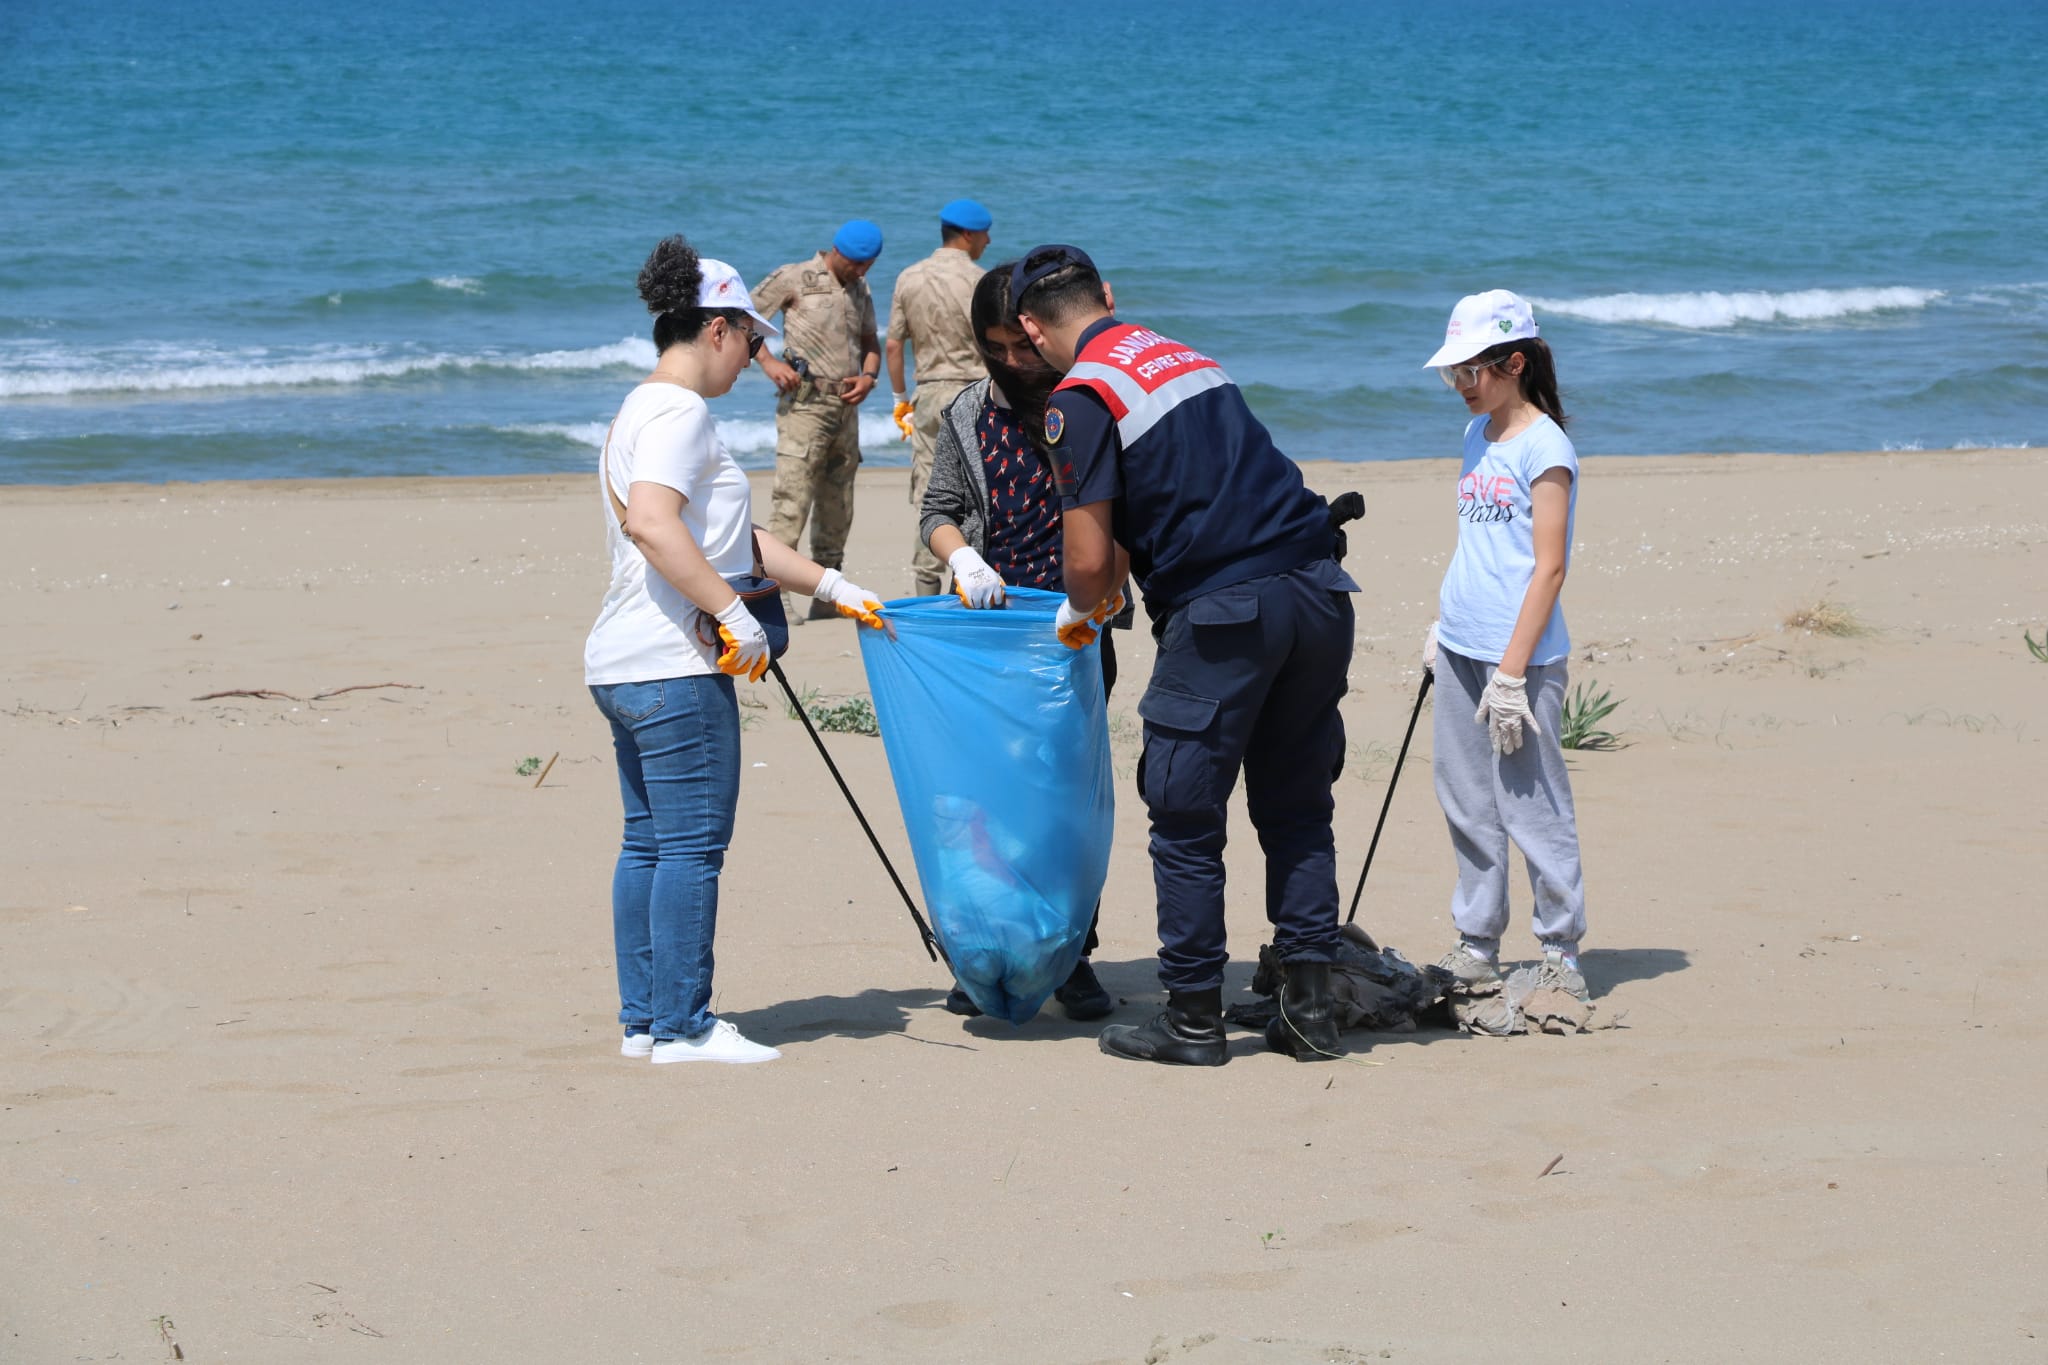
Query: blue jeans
(678, 747)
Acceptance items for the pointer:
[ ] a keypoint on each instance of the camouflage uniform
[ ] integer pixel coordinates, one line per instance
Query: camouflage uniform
(817, 435)
(929, 310)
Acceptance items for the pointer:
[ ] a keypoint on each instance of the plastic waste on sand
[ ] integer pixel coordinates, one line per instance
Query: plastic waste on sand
(999, 747)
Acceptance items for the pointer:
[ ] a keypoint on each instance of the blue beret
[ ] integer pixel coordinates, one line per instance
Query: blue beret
(858, 240)
(967, 215)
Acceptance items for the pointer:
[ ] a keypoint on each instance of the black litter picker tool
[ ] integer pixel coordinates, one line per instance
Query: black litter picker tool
(1428, 677)
(931, 942)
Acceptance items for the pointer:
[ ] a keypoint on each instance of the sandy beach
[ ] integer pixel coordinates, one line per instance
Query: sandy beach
(306, 1023)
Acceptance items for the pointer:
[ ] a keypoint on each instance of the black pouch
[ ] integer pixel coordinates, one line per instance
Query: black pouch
(763, 596)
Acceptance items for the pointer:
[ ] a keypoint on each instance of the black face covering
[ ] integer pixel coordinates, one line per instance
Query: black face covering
(1026, 389)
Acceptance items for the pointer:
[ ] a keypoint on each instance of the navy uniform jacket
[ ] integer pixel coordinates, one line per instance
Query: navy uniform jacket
(1200, 495)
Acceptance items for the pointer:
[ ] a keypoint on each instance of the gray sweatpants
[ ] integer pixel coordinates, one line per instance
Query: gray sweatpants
(1490, 799)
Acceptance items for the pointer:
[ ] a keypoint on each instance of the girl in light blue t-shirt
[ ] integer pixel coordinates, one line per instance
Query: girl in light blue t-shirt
(1499, 648)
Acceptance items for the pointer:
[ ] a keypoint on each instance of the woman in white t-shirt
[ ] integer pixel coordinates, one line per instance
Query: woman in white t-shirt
(1499, 649)
(678, 524)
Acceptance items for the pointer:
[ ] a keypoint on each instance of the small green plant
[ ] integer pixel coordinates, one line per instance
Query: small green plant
(855, 716)
(1584, 709)
(1266, 1239)
(807, 698)
(2037, 648)
(528, 766)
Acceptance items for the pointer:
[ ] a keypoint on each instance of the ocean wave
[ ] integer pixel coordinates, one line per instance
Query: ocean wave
(178, 370)
(1914, 447)
(461, 284)
(1710, 310)
(744, 437)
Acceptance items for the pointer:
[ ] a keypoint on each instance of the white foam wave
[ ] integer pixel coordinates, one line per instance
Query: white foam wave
(756, 435)
(1708, 310)
(181, 371)
(743, 436)
(461, 284)
(582, 433)
(1912, 447)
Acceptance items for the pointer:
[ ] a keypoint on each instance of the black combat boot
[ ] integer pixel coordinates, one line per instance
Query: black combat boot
(1306, 1027)
(1188, 1032)
(1083, 997)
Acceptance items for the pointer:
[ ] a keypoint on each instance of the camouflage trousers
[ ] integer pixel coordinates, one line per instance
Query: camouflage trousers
(817, 451)
(926, 568)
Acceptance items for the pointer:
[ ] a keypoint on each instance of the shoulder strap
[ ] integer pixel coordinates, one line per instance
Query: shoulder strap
(604, 472)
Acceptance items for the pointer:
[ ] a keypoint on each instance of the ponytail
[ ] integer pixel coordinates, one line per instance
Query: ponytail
(668, 286)
(1539, 374)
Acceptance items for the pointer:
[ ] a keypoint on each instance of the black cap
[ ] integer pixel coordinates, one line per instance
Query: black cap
(1056, 258)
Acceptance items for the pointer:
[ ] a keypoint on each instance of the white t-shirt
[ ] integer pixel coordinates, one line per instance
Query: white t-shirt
(1489, 575)
(646, 630)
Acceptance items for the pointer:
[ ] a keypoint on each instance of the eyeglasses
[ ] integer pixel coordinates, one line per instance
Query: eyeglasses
(1459, 376)
(755, 341)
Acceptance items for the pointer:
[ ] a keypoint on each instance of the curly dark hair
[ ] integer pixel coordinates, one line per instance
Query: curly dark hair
(668, 286)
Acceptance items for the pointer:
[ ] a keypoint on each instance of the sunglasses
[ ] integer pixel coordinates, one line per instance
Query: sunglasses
(755, 341)
(1460, 376)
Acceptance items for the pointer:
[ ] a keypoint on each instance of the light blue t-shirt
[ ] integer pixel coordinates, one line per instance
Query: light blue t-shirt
(1489, 575)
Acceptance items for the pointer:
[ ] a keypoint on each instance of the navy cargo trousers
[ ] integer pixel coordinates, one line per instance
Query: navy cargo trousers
(1248, 677)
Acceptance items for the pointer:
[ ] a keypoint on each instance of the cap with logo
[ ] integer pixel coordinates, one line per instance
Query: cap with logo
(1041, 261)
(1483, 320)
(858, 240)
(968, 215)
(722, 287)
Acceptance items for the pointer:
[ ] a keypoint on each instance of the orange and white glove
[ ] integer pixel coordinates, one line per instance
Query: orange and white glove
(902, 413)
(746, 644)
(855, 603)
(974, 582)
(1078, 631)
(1429, 649)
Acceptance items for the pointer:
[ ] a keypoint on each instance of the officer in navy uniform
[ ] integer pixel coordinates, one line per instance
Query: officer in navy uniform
(1160, 462)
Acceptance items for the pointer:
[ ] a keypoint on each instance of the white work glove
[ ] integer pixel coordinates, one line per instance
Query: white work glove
(856, 603)
(1504, 710)
(1429, 649)
(746, 644)
(974, 582)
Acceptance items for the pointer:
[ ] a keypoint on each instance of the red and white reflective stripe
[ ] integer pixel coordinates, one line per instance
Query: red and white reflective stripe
(1136, 408)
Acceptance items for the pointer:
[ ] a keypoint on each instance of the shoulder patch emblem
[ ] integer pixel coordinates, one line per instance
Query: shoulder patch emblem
(1055, 423)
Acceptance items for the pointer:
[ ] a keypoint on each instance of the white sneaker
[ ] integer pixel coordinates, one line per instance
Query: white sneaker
(636, 1045)
(722, 1042)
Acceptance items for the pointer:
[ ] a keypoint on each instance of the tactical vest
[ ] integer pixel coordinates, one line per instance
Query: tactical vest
(1208, 499)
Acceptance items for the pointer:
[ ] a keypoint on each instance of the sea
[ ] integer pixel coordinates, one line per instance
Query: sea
(257, 240)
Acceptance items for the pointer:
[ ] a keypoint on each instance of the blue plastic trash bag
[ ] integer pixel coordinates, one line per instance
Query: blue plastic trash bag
(999, 747)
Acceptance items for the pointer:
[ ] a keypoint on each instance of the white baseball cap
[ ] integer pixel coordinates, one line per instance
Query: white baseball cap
(1483, 320)
(723, 288)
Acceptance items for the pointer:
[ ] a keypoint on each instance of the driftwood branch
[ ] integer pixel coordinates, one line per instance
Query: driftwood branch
(365, 687)
(272, 694)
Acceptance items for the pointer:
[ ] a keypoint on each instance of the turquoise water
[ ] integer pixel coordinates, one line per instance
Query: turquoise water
(246, 240)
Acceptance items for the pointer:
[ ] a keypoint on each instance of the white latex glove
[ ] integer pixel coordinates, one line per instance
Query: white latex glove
(1429, 649)
(1504, 710)
(857, 603)
(746, 644)
(976, 584)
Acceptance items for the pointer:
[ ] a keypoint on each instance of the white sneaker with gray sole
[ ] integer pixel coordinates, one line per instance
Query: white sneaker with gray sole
(722, 1042)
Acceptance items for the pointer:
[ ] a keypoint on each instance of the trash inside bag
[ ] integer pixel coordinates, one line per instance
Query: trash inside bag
(999, 747)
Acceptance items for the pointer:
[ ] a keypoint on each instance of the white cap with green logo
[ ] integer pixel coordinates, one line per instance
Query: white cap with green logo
(1483, 320)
